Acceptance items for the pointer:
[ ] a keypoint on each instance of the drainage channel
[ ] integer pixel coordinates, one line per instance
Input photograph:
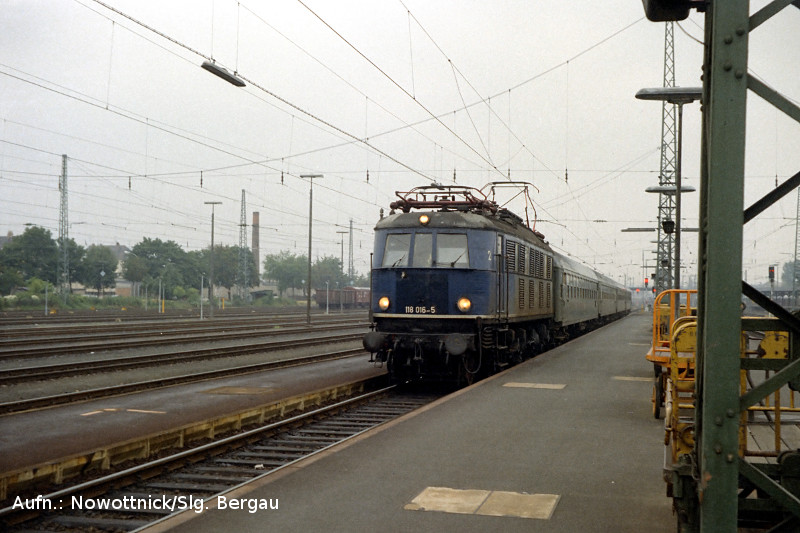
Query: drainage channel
(142, 495)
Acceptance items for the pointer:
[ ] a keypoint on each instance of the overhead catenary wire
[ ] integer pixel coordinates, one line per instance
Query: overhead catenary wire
(402, 89)
(434, 117)
(154, 168)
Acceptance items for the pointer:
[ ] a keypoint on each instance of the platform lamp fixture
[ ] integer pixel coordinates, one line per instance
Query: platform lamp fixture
(223, 73)
(676, 96)
(211, 263)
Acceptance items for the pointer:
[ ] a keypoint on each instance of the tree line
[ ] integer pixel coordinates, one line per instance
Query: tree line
(34, 255)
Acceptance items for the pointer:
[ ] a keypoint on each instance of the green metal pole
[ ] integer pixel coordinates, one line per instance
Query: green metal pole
(722, 201)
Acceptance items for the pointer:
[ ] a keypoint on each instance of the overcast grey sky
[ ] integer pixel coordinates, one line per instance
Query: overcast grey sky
(549, 87)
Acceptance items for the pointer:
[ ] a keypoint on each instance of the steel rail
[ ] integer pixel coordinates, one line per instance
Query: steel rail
(11, 517)
(93, 394)
(46, 333)
(78, 346)
(37, 373)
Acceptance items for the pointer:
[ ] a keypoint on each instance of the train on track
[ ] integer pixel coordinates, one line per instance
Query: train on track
(348, 297)
(462, 288)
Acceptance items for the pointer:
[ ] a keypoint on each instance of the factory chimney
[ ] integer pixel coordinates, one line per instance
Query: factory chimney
(255, 246)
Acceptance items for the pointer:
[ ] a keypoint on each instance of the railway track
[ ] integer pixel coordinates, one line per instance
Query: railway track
(40, 372)
(105, 392)
(87, 340)
(26, 318)
(8, 333)
(197, 479)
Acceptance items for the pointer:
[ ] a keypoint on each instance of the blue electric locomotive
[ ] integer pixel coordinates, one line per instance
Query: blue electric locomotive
(462, 288)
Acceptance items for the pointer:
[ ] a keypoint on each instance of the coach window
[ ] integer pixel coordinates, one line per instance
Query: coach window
(451, 250)
(396, 252)
(423, 250)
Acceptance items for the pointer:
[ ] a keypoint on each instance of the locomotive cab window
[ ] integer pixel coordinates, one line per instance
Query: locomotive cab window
(423, 250)
(398, 246)
(452, 251)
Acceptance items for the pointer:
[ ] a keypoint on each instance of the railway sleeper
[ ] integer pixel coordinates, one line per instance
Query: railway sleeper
(349, 423)
(299, 442)
(86, 522)
(210, 488)
(280, 448)
(242, 471)
(387, 411)
(251, 462)
(343, 429)
(330, 431)
(270, 455)
(363, 419)
(210, 478)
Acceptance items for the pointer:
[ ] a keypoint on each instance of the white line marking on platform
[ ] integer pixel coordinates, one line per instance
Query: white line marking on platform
(632, 378)
(239, 390)
(552, 386)
(484, 502)
(115, 410)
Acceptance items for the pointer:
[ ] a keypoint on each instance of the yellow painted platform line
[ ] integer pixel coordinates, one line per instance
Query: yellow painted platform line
(552, 386)
(485, 502)
(632, 378)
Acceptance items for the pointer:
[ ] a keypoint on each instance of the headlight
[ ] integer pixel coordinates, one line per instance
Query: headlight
(464, 305)
(383, 303)
(424, 219)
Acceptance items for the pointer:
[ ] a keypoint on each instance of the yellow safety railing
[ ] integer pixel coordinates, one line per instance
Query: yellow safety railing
(764, 426)
(680, 390)
(765, 430)
(668, 306)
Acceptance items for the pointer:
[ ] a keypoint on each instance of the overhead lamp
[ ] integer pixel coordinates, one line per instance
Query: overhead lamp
(673, 95)
(669, 189)
(674, 10)
(223, 73)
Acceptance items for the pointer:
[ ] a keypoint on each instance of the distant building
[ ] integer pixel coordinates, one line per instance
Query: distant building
(6, 239)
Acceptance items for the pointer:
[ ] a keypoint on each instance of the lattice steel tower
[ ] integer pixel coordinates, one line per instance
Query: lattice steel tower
(63, 231)
(666, 178)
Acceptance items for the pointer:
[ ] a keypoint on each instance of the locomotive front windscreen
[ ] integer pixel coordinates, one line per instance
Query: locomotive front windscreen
(426, 250)
(452, 251)
(397, 250)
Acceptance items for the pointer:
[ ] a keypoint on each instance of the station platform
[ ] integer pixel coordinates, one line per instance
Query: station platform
(565, 442)
(70, 435)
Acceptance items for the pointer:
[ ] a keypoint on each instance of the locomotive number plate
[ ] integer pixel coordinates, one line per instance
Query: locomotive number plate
(420, 310)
